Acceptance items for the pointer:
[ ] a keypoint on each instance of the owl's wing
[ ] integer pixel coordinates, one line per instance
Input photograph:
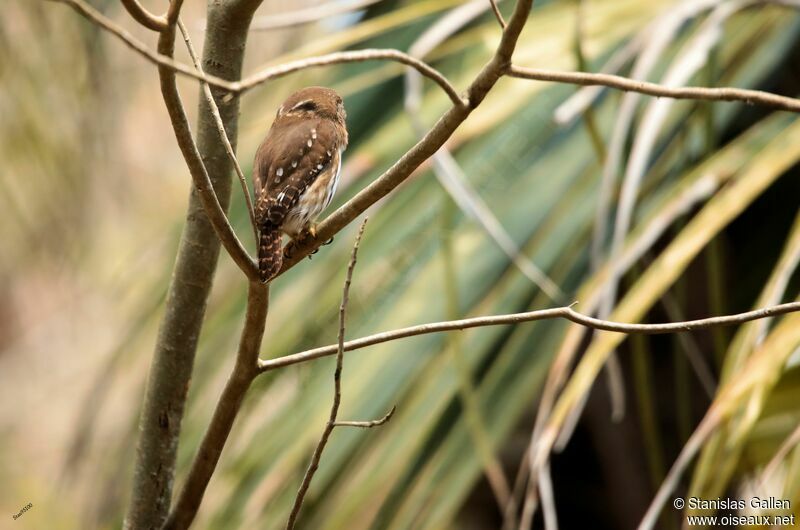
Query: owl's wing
(288, 162)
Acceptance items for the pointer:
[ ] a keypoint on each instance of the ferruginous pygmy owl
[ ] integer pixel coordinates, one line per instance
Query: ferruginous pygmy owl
(296, 170)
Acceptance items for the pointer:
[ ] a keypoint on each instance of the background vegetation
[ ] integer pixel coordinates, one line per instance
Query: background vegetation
(93, 195)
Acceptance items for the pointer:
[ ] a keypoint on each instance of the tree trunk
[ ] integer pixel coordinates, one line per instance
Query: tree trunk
(198, 251)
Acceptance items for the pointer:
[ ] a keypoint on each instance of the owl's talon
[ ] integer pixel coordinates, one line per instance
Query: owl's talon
(306, 234)
(288, 251)
(329, 241)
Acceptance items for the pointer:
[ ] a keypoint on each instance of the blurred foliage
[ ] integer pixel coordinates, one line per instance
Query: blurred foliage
(94, 194)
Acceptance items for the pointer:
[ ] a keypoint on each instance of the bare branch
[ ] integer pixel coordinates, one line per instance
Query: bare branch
(367, 424)
(273, 72)
(515, 318)
(337, 391)
(311, 14)
(223, 136)
(497, 14)
(750, 97)
(173, 12)
(197, 168)
(144, 17)
(244, 371)
(355, 56)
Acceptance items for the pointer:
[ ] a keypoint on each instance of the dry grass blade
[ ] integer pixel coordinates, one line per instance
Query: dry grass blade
(762, 370)
(446, 168)
(724, 206)
(308, 15)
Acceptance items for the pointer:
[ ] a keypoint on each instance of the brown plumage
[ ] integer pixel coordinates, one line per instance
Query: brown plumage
(296, 170)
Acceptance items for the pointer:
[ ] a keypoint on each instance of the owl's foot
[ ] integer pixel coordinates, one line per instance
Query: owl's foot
(309, 232)
(329, 241)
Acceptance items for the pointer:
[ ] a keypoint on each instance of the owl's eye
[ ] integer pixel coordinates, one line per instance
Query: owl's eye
(305, 105)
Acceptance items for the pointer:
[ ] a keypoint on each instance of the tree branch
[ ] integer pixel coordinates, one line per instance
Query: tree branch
(497, 14)
(274, 72)
(544, 314)
(223, 136)
(144, 17)
(197, 169)
(749, 97)
(366, 424)
(244, 371)
(173, 359)
(337, 393)
(355, 56)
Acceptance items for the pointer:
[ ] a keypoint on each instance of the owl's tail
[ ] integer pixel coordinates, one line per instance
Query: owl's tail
(270, 253)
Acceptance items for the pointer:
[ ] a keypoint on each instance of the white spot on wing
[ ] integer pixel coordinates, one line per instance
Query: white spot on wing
(294, 163)
(309, 142)
(319, 166)
(279, 172)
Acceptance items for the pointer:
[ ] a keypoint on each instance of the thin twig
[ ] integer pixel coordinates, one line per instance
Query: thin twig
(144, 17)
(223, 136)
(337, 392)
(750, 97)
(354, 56)
(515, 318)
(308, 15)
(197, 169)
(366, 424)
(268, 73)
(498, 15)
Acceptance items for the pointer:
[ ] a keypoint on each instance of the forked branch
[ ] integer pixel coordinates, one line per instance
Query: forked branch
(337, 394)
(223, 136)
(144, 17)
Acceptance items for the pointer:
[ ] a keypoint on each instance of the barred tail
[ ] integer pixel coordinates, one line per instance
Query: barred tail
(270, 254)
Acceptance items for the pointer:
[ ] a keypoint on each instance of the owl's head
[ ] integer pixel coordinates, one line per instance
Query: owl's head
(314, 101)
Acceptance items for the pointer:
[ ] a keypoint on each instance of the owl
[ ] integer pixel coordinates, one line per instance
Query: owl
(296, 171)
